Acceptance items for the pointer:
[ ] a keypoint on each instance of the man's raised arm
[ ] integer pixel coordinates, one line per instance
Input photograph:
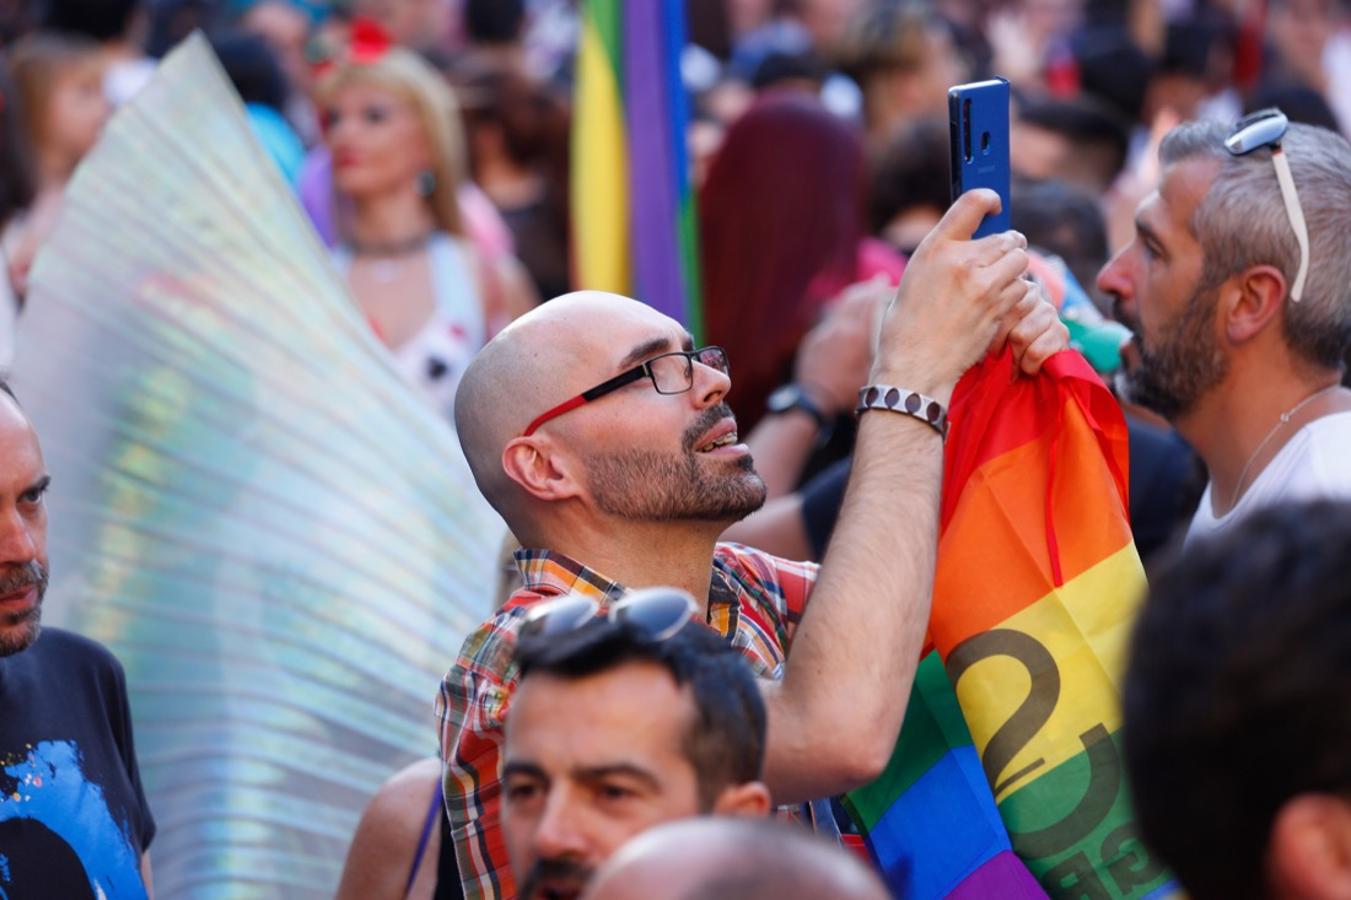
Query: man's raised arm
(834, 718)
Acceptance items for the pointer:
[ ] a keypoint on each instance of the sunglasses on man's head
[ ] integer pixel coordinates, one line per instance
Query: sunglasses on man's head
(1265, 128)
(654, 613)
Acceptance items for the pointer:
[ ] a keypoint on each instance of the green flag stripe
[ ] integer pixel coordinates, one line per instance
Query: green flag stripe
(1075, 830)
(933, 726)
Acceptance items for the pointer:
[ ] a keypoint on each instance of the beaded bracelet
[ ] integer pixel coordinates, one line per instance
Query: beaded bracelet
(909, 403)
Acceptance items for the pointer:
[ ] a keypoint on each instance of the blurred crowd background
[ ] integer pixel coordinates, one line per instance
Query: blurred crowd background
(818, 137)
(429, 141)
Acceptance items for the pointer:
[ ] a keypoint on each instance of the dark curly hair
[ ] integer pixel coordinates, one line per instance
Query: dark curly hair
(1238, 692)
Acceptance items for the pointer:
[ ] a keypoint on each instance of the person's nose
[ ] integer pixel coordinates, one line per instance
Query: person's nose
(1115, 281)
(17, 543)
(559, 834)
(711, 385)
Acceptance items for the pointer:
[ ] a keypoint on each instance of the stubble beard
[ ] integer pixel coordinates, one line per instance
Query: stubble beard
(28, 623)
(1182, 365)
(650, 486)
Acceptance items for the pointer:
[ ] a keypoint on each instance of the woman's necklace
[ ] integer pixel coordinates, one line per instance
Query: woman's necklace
(387, 257)
(1283, 420)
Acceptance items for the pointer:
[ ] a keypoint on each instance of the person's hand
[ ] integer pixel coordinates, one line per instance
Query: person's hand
(1034, 330)
(834, 358)
(951, 301)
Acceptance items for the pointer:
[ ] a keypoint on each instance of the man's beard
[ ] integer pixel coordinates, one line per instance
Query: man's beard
(17, 578)
(556, 874)
(1185, 361)
(646, 485)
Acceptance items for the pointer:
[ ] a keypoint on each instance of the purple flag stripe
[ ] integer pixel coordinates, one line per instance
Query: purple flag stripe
(652, 159)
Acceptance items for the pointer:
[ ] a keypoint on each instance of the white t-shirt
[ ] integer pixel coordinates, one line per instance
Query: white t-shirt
(1315, 463)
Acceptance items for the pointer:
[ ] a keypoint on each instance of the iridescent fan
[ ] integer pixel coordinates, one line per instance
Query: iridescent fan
(275, 535)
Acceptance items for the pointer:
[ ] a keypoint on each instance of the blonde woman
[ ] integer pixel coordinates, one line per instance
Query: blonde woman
(393, 131)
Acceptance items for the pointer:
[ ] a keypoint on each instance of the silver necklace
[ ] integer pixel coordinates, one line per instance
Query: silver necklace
(1283, 420)
(387, 258)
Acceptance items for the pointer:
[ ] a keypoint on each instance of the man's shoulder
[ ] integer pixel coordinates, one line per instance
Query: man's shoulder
(490, 650)
(1318, 465)
(68, 650)
(761, 565)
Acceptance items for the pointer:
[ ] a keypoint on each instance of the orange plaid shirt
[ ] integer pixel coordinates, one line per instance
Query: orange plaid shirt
(755, 601)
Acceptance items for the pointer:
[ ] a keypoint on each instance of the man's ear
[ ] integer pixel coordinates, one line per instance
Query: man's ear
(750, 799)
(1251, 301)
(543, 473)
(1309, 854)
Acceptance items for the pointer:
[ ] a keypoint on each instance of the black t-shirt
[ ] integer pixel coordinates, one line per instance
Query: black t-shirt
(73, 818)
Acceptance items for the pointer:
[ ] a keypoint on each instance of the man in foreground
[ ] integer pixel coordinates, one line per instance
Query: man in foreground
(601, 435)
(1238, 709)
(73, 817)
(614, 729)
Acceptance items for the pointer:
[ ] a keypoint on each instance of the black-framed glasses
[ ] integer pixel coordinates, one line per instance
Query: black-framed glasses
(656, 613)
(1265, 128)
(671, 373)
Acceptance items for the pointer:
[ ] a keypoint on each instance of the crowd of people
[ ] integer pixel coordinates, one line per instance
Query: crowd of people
(724, 555)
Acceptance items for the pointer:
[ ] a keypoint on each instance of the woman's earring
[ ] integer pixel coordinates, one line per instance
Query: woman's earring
(426, 182)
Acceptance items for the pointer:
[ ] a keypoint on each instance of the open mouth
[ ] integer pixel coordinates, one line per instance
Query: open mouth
(726, 440)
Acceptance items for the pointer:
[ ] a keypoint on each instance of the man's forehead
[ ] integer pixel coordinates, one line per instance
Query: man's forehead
(633, 697)
(1183, 186)
(20, 453)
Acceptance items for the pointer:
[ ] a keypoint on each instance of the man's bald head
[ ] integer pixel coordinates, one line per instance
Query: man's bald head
(752, 859)
(548, 355)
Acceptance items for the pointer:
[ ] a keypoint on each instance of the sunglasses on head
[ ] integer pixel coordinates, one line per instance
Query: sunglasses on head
(1265, 128)
(655, 613)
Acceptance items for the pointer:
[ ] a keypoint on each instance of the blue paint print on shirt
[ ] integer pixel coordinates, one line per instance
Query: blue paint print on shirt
(52, 789)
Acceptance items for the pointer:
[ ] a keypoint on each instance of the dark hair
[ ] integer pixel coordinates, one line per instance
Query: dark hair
(1112, 68)
(1238, 692)
(252, 67)
(1085, 123)
(1299, 102)
(726, 741)
(1064, 220)
(911, 171)
(16, 173)
(493, 21)
(101, 20)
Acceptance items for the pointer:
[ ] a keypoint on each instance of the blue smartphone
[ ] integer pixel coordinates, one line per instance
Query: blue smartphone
(978, 144)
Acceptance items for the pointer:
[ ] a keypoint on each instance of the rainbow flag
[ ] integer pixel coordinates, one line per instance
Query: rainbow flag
(633, 211)
(1036, 589)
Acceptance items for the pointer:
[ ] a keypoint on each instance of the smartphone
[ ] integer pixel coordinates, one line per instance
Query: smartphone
(978, 144)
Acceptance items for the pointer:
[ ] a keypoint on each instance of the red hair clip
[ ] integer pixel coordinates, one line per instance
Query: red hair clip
(368, 41)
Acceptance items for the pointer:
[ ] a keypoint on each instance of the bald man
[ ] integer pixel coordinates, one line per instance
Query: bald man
(714, 858)
(73, 817)
(602, 437)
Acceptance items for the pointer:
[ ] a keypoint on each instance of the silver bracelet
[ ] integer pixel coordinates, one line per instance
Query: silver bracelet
(905, 402)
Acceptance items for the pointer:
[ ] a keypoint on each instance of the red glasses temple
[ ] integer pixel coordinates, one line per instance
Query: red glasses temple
(565, 406)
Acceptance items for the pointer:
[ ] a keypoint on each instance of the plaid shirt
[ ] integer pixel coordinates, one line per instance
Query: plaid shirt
(755, 600)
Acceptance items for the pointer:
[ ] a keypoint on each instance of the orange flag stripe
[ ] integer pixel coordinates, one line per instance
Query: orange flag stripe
(984, 577)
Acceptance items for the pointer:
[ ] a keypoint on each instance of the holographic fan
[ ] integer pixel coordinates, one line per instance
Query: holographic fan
(280, 541)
